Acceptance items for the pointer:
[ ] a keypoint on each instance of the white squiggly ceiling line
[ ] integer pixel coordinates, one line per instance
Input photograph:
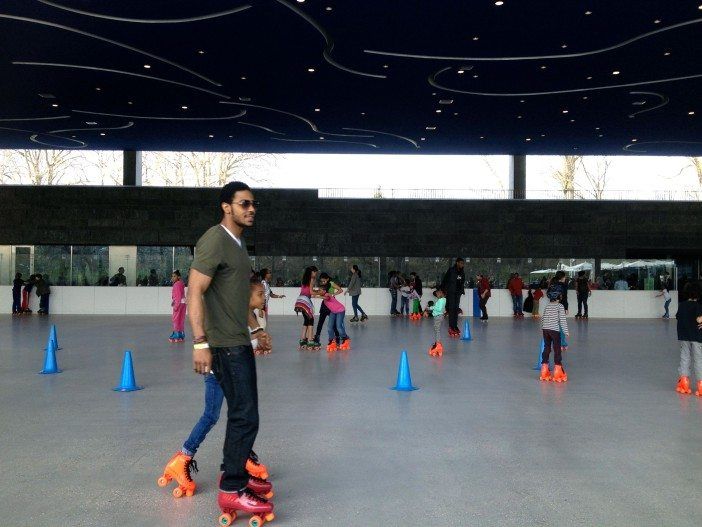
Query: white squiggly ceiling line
(324, 141)
(35, 118)
(411, 141)
(119, 72)
(663, 101)
(159, 118)
(93, 128)
(299, 117)
(433, 82)
(537, 57)
(109, 41)
(265, 128)
(33, 138)
(329, 42)
(145, 20)
(628, 148)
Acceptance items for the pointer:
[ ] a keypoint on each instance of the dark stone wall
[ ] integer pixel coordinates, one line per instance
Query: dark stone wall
(297, 223)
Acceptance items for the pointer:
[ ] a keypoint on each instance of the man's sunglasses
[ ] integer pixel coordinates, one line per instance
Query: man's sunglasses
(248, 203)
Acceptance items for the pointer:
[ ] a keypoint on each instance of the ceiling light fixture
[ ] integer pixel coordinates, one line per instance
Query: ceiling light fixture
(422, 138)
(597, 127)
(103, 134)
(634, 140)
(499, 3)
(243, 78)
(210, 136)
(363, 113)
(147, 66)
(385, 66)
(666, 54)
(431, 127)
(438, 111)
(657, 21)
(563, 46)
(329, 8)
(522, 100)
(230, 136)
(184, 107)
(699, 7)
(528, 139)
(615, 72)
(130, 102)
(317, 110)
(475, 76)
(91, 123)
(201, 52)
(589, 78)
(565, 111)
(461, 72)
(482, 137)
(543, 135)
(572, 120)
(98, 89)
(691, 113)
(519, 116)
(311, 70)
(584, 97)
(321, 138)
(588, 12)
(600, 135)
(446, 101)
(455, 114)
(543, 67)
(476, 38)
(54, 105)
(300, 1)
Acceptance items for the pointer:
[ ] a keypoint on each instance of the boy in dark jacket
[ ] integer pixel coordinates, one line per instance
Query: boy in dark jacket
(43, 292)
(17, 294)
(689, 317)
(454, 284)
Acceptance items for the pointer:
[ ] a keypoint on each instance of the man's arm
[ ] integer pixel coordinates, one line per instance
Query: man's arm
(197, 285)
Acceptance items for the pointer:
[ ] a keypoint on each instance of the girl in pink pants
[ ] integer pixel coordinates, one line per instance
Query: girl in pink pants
(178, 305)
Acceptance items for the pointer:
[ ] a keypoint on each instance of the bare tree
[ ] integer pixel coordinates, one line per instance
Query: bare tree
(493, 171)
(43, 167)
(164, 168)
(108, 165)
(565, 176)
(595, 173)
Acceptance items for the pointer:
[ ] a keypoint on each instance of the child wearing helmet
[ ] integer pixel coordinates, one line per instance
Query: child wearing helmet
(552, 324)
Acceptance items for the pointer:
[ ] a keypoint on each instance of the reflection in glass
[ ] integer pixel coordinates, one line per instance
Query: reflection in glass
(90, 265)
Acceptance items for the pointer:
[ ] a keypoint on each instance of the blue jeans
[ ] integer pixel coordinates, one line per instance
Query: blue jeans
(393, 302)
(336, 320)
(517, 304)
(356, 307)
(213, 405)
(665, 306)
(404, 305)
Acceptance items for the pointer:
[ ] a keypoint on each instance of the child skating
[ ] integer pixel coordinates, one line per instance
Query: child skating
(437, 349)
(178, 305)
(689, 317)
(181, 465)
(552, 325)
(338, 339)
(304, 306)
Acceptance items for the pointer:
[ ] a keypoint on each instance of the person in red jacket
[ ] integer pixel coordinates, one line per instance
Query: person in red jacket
(484, 294)
(515, 286)
(538, 295)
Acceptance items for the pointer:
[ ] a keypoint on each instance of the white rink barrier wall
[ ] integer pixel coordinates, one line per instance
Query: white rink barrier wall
(67, 300)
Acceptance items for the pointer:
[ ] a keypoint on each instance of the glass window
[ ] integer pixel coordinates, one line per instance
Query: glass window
(61, 167)
(183, 258)
(90, 265)
(54, 263)
(154, 266)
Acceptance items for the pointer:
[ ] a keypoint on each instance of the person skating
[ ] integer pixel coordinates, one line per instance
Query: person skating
(665, 293)
(178, 306)
(484, 294)
(437, 311)
(266, 275)
(26, 294)
(689, 317)
(515, 286)
(43, 292)
(181, 465)
(354, 291)
(553, 324)
(538, 295)
(453, 284)
(304, 307)
(338, 339)
(218, 298)
(582, 290)
(17, 285)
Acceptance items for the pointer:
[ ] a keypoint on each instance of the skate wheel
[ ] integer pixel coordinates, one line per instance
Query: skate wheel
(189, 493)
(256, 521)
(178, 492)
(270, 517)
(226, 519)
(269, 495)
(162, 481)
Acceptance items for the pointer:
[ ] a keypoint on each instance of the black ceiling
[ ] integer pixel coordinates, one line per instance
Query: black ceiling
(533, 77)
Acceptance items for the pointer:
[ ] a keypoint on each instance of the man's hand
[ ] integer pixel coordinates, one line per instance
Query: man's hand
(202, 361)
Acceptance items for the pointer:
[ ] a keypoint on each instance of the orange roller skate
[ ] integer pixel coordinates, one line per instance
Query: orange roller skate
(683, 385)
(255, 468)
(698, 392)
(332, 346)
(559, 375)
(178, 468)
(246, 501)
(545, 373)
(345, 344)
(436, 350)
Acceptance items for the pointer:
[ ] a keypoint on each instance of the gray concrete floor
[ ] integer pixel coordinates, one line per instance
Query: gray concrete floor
(483, 442)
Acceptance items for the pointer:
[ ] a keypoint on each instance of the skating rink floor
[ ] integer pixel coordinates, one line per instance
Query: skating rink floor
(482, 442)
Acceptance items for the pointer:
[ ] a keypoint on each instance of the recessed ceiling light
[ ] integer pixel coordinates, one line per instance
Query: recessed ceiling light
(385, 66)
(130, 102)
(543, 67)
(519, 116)
(666, 54)
(147, 66)
(572, 120)
(528, 139)
(54, 105)
(499, 2)
(98, 89)
(91, 123)
(584, 97)
(328, 8)
(543, 135)
(657, 21)
(600, 135)
(476, 37)
(588, 12)
(321, 138)
(422, 138)
(300, 1)
(634, 140)
(699, 7)
(589, 78)
(103, 133)
(563, 46)
(311, 70)
(615, 72)
(455, 113)
(482, 137)
(475, 76)
(433, 93)
(230, 136)
(47, 96)
(184, 107)
(565, 111)
(461, 72)
(522, 100)
(446, 101)
(201, 51)
(438, 111)
(597, 127)
(363, 113)
(317, 110)
(690, 113)
(210, 136)
(243, 78)
(431, 127)
(73, 136)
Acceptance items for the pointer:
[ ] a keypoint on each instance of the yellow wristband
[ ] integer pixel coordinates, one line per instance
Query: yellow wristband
(201, 346)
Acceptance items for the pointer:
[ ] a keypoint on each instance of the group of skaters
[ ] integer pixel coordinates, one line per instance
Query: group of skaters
(22, 291)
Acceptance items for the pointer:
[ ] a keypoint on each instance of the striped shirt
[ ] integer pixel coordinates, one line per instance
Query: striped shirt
(554, 318)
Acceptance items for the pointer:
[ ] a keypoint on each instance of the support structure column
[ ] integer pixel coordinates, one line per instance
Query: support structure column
(517, 176)
(131, 174)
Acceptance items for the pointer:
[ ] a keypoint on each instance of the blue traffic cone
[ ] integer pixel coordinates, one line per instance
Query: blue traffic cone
(53, 335)
(466, 331)
(404, 379)
(50, 364)
(128, 382)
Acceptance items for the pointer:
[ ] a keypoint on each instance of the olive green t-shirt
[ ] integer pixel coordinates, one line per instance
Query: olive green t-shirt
(218, 256)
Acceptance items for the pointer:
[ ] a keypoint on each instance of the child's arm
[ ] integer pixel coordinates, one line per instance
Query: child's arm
(562, 320)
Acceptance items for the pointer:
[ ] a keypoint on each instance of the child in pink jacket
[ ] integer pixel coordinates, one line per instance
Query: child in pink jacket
(178, 305)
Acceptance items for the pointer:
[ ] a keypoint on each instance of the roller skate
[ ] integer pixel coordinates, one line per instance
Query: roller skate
(684, 385)
(173, 336)
(315, 345)
(255, 468)
(698, 392)
(545, 373)
(332, 346)
(353, 319)
(302, 345)
(345, 344)
(364, 317)
(454, 333)
(436, 350)
(178, 468)
(246, 501)
(260, 486)
(559, 375)
(179, 336)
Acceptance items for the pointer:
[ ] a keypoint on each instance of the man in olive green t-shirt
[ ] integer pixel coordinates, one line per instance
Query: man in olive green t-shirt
(218, 300)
